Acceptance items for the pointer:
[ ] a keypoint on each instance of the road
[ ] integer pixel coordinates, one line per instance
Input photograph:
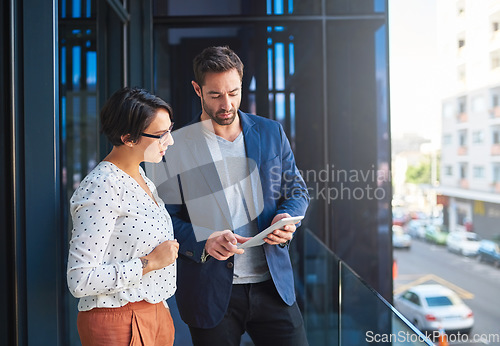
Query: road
(477, 283)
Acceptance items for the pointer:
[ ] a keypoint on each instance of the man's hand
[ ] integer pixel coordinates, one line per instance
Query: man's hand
(280, 236)
(222, 244)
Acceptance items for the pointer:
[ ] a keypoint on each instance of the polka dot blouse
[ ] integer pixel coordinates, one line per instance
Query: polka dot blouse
(114, 223)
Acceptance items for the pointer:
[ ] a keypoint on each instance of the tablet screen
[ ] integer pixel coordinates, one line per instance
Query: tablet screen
(259, 238)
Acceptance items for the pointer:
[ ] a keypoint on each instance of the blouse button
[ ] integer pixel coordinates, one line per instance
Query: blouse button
(229, 265)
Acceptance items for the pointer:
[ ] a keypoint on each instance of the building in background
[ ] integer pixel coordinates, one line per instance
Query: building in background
(469, 48)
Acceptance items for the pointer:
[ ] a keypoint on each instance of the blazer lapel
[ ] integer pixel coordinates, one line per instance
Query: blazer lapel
(252, 138)
(253, 151)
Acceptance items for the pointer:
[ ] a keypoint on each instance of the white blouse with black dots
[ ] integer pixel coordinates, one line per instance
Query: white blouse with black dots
(114, 223)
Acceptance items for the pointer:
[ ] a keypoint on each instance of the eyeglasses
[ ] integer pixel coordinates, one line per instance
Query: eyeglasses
(163, 138)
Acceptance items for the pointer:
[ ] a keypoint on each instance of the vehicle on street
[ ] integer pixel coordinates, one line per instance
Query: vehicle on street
(436, 234)
(418, 215)
(399, 216)
(431, 307)
(464, 243)
(416, 228)
(489, 251)
(400, 239)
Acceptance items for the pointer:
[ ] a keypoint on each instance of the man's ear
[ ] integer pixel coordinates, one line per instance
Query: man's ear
(197, 88)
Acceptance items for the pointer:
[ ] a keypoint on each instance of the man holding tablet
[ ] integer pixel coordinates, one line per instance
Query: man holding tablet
(249, 182)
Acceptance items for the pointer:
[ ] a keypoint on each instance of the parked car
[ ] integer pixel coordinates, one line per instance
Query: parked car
(436, 234)
(489, 251)
(400, 239)
(418, 215)
(464, 243)
(399, 216)
(416, 228)
(432, 306)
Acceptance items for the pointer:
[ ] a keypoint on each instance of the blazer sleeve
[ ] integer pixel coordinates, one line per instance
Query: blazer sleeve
(189, 247)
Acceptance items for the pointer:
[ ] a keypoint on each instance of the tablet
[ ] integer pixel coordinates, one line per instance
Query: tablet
(259, 238)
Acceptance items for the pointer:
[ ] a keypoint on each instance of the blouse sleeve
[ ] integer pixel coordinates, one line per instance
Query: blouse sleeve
(95, 207)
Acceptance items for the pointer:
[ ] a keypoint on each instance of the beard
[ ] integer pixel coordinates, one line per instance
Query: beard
(217, 115)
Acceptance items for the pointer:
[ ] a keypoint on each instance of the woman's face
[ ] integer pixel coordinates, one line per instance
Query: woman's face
(153, 149)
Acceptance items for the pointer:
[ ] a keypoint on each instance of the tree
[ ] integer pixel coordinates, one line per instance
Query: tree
(419, 174)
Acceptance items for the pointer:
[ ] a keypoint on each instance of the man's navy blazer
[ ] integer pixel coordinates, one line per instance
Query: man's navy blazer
(192, 187)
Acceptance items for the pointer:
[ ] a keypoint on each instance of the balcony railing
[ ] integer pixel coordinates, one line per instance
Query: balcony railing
(462, 117)
(463, 183)
(339, 307)
(495, 112)
(461, 151)
(495, 187)
(495, 149)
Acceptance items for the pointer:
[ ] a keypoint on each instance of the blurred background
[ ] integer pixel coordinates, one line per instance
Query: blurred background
(445, 79)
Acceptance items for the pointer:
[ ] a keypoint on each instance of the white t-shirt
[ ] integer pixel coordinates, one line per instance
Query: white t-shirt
(114, 223)
(233, 169)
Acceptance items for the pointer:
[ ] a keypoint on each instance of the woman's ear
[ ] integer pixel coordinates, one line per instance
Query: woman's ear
(126, 140)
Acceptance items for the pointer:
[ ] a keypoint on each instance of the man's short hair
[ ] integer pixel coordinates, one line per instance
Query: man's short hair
(215, 59)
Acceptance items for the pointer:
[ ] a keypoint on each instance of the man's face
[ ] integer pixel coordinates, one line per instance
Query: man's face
(220, 96)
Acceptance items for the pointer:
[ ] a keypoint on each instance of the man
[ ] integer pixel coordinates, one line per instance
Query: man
(234, 174)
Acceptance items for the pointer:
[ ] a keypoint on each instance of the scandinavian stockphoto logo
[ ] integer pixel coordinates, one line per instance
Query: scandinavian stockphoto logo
(210, 184)
(230, 188)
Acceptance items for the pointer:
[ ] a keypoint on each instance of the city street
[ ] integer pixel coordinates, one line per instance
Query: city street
(478, 284)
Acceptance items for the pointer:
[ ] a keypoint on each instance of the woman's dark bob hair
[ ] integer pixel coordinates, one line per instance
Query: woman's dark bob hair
(128, 112)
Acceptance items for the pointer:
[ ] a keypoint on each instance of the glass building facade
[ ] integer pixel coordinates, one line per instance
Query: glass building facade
(318, 67)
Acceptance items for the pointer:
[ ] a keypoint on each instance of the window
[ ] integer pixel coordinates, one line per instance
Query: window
(477, 137)
(478, 104)
(494, 100)
(495, 59)
(495, 23)
(496, 136)
(281, 67)
(412, 297)
(462, 104)
(478, 172)
(448, 110)
(448, 170)
(496, 173)
(463, 170)
(447, 139)
(438, 301)
(461, 73)
(462, 138)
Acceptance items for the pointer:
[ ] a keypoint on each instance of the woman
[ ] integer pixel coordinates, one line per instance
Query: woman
(121, 261)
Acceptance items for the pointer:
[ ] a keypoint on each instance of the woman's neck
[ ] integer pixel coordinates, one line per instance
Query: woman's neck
(124, 159)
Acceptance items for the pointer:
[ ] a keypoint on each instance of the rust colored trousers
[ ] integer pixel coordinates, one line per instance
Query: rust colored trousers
(135, 324)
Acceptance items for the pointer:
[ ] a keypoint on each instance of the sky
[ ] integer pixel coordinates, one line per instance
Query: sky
(413, 61)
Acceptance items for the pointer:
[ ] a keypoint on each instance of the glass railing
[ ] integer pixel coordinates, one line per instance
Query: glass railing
(339, 307)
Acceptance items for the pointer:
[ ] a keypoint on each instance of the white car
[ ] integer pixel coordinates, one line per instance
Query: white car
(432, 307)
(465, 243)
(400, 239)
(416, 228)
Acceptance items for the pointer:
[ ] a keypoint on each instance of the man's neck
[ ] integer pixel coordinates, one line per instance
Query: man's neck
(228, 132)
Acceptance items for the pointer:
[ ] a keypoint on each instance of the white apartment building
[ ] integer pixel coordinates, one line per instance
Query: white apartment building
(469, 50)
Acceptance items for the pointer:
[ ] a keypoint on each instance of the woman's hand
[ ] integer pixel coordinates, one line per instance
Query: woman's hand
(163, 255)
